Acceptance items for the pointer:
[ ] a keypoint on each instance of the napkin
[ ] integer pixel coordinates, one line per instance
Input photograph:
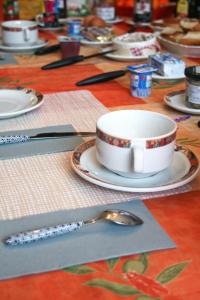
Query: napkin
(102, 240)
(43, 146)
(7, 59)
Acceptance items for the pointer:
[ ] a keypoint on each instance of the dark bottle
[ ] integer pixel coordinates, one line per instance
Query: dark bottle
(142, 11)
(62, 8)
(192, 9)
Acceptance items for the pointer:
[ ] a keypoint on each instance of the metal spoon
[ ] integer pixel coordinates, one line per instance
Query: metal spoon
(120, 217)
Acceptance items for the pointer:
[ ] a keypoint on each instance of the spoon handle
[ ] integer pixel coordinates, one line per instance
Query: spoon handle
(41, 233)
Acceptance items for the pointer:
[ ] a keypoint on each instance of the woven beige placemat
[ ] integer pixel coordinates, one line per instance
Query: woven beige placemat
(46, 183)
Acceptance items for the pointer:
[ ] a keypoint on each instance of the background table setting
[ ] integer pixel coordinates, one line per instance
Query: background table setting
(41, 187)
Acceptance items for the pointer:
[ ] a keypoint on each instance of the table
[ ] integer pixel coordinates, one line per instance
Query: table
(178, 214)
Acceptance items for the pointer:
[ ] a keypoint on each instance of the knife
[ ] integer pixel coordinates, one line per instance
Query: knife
(47, 50)
(108, 75)
(102, 77)
(73, 59)
(12, 139)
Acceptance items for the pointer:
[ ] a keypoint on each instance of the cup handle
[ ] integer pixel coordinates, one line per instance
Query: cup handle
(138, 158)
(26, 33)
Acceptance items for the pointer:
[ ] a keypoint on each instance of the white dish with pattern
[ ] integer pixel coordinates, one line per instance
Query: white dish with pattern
(182, 170)
(15, 102)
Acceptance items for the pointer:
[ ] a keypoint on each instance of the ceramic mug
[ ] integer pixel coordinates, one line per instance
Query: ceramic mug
(135, 143)
(19, 33)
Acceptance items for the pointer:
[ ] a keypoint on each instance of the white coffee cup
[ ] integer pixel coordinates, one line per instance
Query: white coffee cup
(19, 33)
(135, 143)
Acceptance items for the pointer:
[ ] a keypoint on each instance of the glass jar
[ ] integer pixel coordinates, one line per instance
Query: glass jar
(192, 75)
(105, 9)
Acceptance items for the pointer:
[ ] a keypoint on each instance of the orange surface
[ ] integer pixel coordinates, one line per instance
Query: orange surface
(178, 268)
(170, 274)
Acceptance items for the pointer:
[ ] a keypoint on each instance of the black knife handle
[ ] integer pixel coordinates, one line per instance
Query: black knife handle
(47, 50)
(102, 77)
(63, 62)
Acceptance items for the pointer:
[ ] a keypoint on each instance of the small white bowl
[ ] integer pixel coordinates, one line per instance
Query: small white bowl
(136, 44)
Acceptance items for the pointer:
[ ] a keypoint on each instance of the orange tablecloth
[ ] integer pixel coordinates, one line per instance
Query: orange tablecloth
(170, 274)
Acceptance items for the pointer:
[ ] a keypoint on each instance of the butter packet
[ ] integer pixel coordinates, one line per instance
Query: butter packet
(167, 64)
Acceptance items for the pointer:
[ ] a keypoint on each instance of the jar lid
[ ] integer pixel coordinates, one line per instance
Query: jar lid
(193, 72)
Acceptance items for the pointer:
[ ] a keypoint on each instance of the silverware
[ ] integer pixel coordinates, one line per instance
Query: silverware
(47, 50)
(102, 77)
(119, 217)
(74, 59)
(12, 139)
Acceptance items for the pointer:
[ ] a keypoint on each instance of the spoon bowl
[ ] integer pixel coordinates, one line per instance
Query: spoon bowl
(120, 217)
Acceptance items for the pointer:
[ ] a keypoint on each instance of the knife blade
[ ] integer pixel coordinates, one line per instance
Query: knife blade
(12, 139)
(47, 50)
(102, 77)
(73, 59)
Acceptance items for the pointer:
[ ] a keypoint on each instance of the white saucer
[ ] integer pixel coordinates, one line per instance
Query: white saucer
(157, 76)
(15, 102)
(177, 101)
(182, 170)
(118, 57)
(28, 48)
(94, 43)
(114, 21)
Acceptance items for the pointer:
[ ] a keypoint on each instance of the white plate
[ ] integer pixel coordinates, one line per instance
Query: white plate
(180, 49)
(182, 170)
(157, 76)
(177, 101)
(29, 48)
(94, 43)
(114, 21)
(15, 102)
(118, 57)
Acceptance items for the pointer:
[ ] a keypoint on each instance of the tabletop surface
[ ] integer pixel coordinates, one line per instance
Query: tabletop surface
(168, 274)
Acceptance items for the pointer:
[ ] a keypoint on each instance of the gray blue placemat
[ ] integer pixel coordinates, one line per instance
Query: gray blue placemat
(102, 240)
(44, 146)
(7, 58)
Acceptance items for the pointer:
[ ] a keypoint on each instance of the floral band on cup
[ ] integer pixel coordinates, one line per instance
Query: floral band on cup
(17, 29)
(125, 143)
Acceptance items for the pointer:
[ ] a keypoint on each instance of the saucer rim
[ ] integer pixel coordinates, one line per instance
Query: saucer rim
(76, 155)
(40, 43)
(157, 76)
(94, 43)
(119, 57)
(116, 20)
(168, 99)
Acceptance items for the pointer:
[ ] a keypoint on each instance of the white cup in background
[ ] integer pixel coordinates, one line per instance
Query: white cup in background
(19, 33)
(135, 143)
